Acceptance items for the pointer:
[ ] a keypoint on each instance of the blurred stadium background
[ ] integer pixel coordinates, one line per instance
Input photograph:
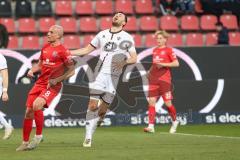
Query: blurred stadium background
(206, 86)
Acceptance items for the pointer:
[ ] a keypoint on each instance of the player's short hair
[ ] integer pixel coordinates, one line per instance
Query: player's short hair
(163, 33)
(126, 19)
(59, 30)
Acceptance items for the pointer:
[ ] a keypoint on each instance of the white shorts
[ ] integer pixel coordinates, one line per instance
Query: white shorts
(104, 87)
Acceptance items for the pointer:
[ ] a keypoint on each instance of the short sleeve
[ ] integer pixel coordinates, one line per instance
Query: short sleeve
(3, 62)
(172, 55)
(67, 58)
(132, 47)
(96, 41)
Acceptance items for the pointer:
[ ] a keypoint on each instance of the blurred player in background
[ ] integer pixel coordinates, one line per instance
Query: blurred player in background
(55, 64)
(4, 95)
(160, 80)
(116, 50)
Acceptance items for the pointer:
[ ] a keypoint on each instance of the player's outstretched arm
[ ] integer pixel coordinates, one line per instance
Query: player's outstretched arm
(82, 51)
(4, 73)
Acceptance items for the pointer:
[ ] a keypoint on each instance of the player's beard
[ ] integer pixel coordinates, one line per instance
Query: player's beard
(116, 24)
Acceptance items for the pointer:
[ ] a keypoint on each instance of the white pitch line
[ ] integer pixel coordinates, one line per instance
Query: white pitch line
(202, 135)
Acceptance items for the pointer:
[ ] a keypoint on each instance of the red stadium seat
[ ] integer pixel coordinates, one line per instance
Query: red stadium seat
(125, 6)
(30, 42)
(150, 40)
(88, 24)
(211, 38)
(234, 38)
(208, 22)
(63, 8)
(194, 39)
(87, 39)
(169, 23)
(69, 24)
(104, 7)
(175, 39)
(105, 22)
(144, 7)
(45, 24)
(229, 21)
(26, 25)
(148, 23)
(84, 7)
(44, 40)
(9, 24)
(72, 41)
(131, 25)
(13, 42)
(189, 22)
(137, 39)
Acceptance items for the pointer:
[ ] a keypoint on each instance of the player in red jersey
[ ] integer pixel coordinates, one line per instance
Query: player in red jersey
(160, 81)
(55, 64)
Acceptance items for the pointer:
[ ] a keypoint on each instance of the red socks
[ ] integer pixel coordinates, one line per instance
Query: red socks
(172, 112)
(27, 125)
(39, 120)
(151, 114)
(27, 128)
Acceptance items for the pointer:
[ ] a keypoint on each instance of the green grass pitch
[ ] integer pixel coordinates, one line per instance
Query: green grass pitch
(131, 143)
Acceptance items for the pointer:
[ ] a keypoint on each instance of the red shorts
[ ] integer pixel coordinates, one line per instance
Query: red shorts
(43, 92)
(160, 88)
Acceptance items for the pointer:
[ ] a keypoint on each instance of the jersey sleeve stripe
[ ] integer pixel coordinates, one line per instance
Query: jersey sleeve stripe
(92, 45)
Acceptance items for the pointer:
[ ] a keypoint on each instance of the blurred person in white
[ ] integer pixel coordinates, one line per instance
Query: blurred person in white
(4, 95)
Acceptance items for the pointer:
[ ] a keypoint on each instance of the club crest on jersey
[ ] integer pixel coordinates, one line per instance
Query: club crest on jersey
(118, 38)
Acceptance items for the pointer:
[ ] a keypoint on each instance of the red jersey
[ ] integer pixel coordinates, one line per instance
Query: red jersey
(162, 55)
(54, 60)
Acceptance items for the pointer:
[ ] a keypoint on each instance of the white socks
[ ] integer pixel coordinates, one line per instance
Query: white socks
(91, 123)
(4, 122)
(150, 125)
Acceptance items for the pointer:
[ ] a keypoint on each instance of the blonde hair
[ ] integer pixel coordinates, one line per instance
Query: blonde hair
(59, 30)
(163, 33)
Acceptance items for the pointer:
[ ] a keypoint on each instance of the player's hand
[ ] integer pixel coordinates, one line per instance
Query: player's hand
(52, 82)
(119, 65)
(30, 74)
(160, 65)
(4, 97)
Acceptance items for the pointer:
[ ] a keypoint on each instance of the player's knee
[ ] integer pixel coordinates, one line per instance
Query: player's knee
(29, 114)
(168, 103)
(38, 104)
(92, 105)
(152, 102)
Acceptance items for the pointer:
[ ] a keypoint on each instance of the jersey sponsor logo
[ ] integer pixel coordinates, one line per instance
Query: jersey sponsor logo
(47, 62)
(163, 53)
(110, 46)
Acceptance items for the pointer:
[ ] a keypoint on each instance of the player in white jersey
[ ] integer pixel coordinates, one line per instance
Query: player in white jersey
(4, 95)
(116, 50)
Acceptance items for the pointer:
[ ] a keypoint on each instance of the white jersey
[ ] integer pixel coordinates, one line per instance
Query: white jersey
(114, 46)
(3, 65)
